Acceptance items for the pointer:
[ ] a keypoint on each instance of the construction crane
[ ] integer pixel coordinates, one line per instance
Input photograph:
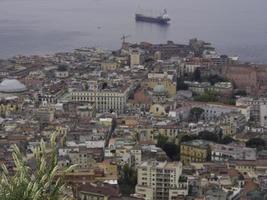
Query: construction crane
(124, 37)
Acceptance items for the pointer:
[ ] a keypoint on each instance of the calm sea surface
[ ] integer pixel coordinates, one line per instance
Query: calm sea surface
(236, 27)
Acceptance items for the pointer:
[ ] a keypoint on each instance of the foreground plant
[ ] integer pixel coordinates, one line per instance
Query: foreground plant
(40, 183)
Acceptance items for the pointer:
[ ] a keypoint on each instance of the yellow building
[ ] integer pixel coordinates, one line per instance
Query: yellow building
(169, 131)
(109, 65)
(195, 151)
(151, 133)
(99, 172)
(168, 81)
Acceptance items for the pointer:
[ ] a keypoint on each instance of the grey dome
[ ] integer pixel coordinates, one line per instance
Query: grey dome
(12, 86)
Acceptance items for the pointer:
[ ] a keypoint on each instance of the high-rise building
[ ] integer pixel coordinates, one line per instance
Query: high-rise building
(160, 180)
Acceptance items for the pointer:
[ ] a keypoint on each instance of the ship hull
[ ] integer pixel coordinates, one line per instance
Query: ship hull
(158, 20)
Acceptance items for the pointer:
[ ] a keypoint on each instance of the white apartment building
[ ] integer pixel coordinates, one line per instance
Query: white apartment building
(159, 180)
(220, 152)
(213, 111)
(258, 109)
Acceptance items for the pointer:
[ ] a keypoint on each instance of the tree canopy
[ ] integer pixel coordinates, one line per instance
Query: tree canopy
(227, 140)
(172, 150)
(207, 96)
(256, 143)
(127, 180)
(161, 140)
(197, 75)
(207, 135)
(195, 114)
(180, 85)
(215, 79)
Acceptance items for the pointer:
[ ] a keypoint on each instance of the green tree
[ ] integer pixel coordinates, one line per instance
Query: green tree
(127, 180)
(207, 96)
(227, 140)
(229, 101)
(195, 114)
(180, 85)
(34, 184)
(161, 140)
(256, 143)
(240, 93)
(207, 135)
(215, 79)
(172, 150)
(197, 75)
(187, 138)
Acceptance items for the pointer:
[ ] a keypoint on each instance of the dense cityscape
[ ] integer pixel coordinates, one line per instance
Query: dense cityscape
(145, 122)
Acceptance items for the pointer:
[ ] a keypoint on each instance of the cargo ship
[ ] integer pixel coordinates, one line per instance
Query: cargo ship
(161, 19)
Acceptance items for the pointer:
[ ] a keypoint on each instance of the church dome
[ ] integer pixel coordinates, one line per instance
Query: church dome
(12, 86)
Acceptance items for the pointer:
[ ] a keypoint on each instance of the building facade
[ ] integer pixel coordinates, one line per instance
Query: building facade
(168, 81)
(232, 123)
(221, 152)
(258, 109)
(104, 101)
(158, 180)
(135, 58)
(195, 151)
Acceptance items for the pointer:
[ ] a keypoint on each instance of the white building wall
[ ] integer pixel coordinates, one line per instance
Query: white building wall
(263, 115)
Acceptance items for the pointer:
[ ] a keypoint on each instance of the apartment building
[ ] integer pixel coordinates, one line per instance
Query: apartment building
(213, 111)
(220, 152)
(158, 180)
(45, 114)
(110, 65)
(195, 151)
(151, 132)
(258, 109)
(81, 156)
(232, 123)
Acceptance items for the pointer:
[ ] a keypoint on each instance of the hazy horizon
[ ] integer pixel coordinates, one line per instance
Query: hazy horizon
(46, 26)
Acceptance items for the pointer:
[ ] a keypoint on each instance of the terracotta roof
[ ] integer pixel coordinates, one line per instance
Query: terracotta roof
(107, 190)
(251, 162)
(248, 187)
(140, 96)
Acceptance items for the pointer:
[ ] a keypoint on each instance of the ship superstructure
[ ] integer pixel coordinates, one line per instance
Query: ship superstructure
(161, 19)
